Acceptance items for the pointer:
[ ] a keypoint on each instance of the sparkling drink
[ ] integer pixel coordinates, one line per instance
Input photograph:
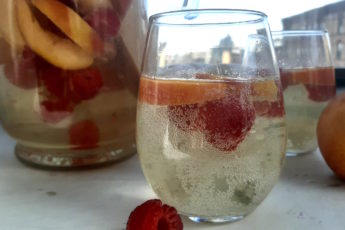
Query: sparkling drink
(306, 93)
(307, 76)
(211, 148)
(211, 132)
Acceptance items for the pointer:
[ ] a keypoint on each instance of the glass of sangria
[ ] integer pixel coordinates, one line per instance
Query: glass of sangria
(210, 117)
(69, 79)
(307, 75)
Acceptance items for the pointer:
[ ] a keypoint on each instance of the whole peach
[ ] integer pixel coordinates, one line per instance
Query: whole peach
(331, 135)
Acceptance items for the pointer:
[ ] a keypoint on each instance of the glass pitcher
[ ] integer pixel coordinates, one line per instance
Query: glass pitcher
(69, 77)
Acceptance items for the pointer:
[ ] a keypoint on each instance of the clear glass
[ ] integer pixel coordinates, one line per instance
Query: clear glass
(308, 81)
(69, 75)
(210, 117)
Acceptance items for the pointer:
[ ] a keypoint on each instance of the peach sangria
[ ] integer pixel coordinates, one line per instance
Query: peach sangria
(308, 81)
(306, 93)
(69, 79)
(211, 129)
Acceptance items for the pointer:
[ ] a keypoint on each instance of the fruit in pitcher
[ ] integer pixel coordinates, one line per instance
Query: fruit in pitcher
(85, 84)
(71, 24)
(64, 89)
(330, 135)
(58, 51)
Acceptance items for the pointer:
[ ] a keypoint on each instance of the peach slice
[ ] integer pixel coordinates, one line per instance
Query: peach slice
(58, 51)
(175, 92)
(8, 25)
(266, 90)
(71, 24)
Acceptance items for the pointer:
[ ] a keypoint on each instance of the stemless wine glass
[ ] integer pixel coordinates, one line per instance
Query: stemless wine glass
(307, 76)
(210, 118)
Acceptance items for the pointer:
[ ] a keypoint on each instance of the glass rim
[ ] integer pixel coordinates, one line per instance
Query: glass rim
(156, 18)
(299, 32)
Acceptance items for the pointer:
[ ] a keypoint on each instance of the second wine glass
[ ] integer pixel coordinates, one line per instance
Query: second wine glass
(307, 75)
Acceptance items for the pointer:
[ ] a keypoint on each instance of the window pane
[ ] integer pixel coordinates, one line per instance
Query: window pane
(316, 14)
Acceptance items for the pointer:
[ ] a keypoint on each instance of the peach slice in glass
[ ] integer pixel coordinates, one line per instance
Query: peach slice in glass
(175, 92)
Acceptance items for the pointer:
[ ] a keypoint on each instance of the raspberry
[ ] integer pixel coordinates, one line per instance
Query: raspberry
(78, 85)
(55, 81)
(227, 121)
(85, 84)
(224, 122)
(153, 215)
(84, 135)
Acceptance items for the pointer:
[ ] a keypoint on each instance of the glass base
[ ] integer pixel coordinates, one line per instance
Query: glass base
(70, 159)
(219, 220)
(291, 153)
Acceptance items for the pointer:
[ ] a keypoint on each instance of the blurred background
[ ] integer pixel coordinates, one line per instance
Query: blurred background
(282, 15)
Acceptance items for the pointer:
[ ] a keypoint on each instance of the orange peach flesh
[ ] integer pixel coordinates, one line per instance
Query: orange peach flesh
(175, 92)
(71, 24)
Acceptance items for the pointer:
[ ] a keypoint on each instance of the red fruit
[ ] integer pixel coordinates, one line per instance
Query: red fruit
(55, 81)
(105, 21)
(153, 215)
(22, 71)
(320, 93)
(185, 117)
(228, 120)
(55, 111)
(84, 135)
(85, 84)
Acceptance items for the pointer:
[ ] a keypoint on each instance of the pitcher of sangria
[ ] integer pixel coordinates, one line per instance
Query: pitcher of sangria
(69, 77)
